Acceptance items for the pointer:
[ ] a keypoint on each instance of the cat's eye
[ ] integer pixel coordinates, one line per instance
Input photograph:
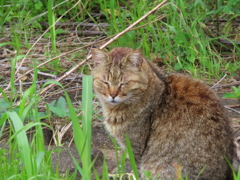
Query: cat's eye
(122, 84)
(105, 82)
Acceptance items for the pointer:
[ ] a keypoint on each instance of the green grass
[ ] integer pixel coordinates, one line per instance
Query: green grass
(33, 158)
(51, 21)
(182, 43)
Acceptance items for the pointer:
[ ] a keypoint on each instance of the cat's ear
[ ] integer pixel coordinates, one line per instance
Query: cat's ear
(98, 56)
(136, 58)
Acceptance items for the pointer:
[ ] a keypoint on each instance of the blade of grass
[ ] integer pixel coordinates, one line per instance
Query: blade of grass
(3, 123)
(87, 123)
(131, 157)
(51, 20)
(25, 128)
(13, 65)
(77, 130)
(105, 168)
(34, 98)
(23, 110)
(80, 138)
(22, 141)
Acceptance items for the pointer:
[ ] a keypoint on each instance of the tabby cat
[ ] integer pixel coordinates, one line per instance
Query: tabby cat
(170, 119)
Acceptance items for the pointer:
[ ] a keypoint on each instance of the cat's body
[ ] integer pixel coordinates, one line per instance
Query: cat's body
(172, 119)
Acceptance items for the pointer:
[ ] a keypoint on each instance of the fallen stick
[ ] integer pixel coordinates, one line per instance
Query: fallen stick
(232, 106)
(77, 24)
(218, 81)
(74, 79)
(232, 109)
(228, 85)
(104, 45)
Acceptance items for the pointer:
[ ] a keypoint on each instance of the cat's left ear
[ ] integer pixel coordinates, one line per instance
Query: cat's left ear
(98, 56)
(136, 58)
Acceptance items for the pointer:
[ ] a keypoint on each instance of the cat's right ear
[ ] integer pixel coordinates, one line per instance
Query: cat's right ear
(136, 58)
(98, 56)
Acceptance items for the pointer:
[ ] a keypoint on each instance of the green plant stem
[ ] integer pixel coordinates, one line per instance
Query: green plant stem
(87, 122)
(51, 20)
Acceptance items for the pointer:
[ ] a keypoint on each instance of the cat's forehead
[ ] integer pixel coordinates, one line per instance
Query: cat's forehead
(115, 75)
(117, 54)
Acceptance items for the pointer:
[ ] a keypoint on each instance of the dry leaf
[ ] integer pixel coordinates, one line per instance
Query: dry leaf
(178, 170)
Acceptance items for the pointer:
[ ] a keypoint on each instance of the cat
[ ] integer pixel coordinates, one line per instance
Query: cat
(169, 120)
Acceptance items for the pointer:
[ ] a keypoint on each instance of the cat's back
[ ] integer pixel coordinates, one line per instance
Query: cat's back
(195, 100)
(191, 104)
(188, 90)
(191, 128)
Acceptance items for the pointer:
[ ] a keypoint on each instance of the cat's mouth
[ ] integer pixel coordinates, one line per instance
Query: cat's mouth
(113, 101)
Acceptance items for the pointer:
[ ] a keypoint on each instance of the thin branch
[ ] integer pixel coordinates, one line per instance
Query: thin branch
(77, 24)
(232, 106)
(218, 81)
(47, 74)
(228, 85)
(232, 109)
(74, 79)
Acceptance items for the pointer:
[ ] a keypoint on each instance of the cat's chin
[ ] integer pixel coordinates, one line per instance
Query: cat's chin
(114, 103)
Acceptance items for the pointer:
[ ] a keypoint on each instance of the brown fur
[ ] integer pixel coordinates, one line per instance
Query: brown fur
(173, 119)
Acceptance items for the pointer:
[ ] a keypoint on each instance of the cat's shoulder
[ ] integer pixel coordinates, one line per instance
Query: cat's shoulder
(185, 87)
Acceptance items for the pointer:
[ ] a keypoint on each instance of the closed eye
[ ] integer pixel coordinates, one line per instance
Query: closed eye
(122, 84)
(105, 82)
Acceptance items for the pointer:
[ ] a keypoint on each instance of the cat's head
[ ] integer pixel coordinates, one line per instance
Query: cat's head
(119, 75)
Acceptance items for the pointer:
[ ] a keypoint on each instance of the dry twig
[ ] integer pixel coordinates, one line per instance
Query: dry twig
(228, 85)
(232, 109)
(218, 81)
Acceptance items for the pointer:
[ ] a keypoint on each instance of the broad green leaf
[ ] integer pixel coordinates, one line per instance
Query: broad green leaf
(229, 95)
(235, 90)
(131, 157)
(22, 140)
(61, 103)
(58, 111)
(4, 104)
(39, 158)
(87, 123)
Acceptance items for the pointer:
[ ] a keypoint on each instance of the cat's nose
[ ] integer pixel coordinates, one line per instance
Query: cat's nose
(113, 95)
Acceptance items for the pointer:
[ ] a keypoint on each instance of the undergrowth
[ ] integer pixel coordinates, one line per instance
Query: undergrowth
(178, 40)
